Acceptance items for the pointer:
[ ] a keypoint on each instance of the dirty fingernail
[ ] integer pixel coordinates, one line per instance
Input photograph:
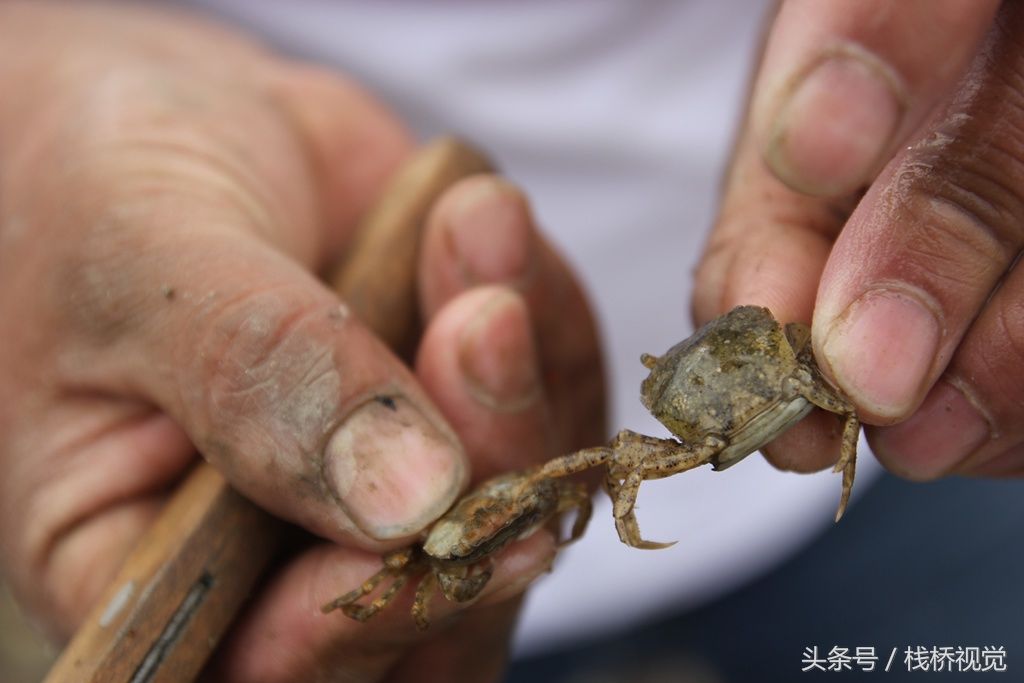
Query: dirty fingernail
(393, 470)
(881, 351)
(835, 123)
(498, 357)
(944, 431)
(490, 233)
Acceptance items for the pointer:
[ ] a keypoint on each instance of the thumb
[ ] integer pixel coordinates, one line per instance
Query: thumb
(191, 265)
(300, 406)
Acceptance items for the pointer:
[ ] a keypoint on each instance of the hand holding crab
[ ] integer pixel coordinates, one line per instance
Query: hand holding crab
(733, 386)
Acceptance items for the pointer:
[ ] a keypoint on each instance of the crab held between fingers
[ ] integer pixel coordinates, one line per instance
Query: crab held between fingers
(726, 391)
(457, 551)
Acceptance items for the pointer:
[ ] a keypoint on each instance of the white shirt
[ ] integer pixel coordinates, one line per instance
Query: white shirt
(616, 117)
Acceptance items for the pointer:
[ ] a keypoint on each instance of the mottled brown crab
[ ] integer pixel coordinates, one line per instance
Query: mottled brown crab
(458, 549)
(736, 384)
(726, 391)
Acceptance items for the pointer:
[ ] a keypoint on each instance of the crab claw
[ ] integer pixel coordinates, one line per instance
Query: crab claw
(629, 533)
(464, 586)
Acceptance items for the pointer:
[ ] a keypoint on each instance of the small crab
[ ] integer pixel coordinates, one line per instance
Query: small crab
(458, 549)
(736, 384)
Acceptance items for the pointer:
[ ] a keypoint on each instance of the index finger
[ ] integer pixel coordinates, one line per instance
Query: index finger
(843, 82)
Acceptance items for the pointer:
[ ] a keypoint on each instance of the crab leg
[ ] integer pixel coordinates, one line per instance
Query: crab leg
(847, 460)
(639, 457)
(365, 612)
(575, 496)
(847, 463)
(424, 592)
(395, 564)
(576, 462)
(464, 583)
(626, 525)
(365, 589)
(623, 509)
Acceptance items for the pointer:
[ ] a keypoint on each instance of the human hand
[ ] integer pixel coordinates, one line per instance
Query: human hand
(515, 368)
(913, 284)
(168, 191)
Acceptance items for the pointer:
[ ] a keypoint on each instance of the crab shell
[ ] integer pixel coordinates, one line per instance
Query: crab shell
(728, 381)
(503, 509)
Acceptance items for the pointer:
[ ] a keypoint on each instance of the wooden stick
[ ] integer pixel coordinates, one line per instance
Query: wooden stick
(382, 288)
(181, 587)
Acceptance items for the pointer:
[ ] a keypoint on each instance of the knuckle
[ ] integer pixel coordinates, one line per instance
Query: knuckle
(948, 247)
(962, 206)
(1010, 321)
(1004, 358)
(989, 365)
(263, 368)
(961, 211)
(962, 184)
(37, 518)
(123, 228)
(96, 289)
